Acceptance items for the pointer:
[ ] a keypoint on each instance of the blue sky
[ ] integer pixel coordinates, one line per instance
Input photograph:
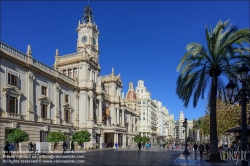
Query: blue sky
(141, 40)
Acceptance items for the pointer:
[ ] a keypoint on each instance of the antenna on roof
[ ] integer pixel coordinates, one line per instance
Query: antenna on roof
(88, 2)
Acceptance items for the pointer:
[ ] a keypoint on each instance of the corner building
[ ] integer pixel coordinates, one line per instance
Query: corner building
(70, 97)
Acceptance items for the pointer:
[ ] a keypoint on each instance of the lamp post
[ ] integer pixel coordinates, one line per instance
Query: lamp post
(242, 97)
(185, 126)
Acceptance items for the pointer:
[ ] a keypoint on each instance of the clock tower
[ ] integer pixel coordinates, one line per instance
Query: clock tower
(88, 34)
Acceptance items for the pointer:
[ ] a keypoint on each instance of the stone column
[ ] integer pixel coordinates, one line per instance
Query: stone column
(19, 105)
(123, 125)
(112, 114)
(100, 111)
(57, 106)
(76, 109)
(30, 101)
(91, 106)
(134, 124)
(123, 140)
(114, 140)
(129, 123)
(48, 112)
(117, 116)
(83, 111)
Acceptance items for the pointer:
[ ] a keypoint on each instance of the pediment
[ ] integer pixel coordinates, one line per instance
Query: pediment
(13, 91)
(44, 100)
(67, 106)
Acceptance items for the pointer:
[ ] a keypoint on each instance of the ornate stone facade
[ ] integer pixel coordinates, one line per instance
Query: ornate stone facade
(70, 97)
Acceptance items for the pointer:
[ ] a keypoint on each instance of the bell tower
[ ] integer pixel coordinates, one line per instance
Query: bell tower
(88, 34)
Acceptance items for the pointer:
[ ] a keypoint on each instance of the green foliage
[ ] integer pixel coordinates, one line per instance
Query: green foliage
(81, 136)
(145, 139)
(17, 136)
(137, 138)
(201, 68)
(56, 136)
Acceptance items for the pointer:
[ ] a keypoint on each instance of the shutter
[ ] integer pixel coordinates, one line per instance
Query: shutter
(8, 104)
(9, 78)
(15, 80)
(16, 108)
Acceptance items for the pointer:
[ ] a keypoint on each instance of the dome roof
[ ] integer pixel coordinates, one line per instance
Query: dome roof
(131, 95)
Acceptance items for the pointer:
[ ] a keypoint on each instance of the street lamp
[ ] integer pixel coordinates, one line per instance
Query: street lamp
(185, 126)
(242, 97)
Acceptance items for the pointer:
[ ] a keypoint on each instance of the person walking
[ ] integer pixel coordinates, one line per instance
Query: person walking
(116, 145)
(139, 147)
(201, 149)
(195, 148)
(82, 146)
(7, 150)
(64, 145)
(72, 146)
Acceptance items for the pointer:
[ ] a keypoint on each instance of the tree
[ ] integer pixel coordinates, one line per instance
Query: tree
(228, 116)
(81, 136)
(56, 136)
(200, 124)
(144, 139)
(138, 138)
(202, 68)
(17, 136)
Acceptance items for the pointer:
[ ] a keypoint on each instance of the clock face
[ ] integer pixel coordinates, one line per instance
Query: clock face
(84, 39)
(94, 41)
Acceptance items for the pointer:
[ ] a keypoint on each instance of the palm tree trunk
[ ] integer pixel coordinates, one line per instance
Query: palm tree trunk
(214, 151)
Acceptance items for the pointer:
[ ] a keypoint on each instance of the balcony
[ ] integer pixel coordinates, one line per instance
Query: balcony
(12, 115)
(67, 123)
(44, 120)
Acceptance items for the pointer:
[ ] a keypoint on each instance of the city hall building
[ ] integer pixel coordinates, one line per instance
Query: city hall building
(69, 97)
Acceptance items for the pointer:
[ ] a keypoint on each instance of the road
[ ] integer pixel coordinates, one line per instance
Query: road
(154, 156)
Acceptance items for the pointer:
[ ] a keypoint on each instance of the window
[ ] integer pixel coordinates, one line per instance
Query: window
(12, 104)
(70, 73)
(143, 118)
(66, 98)
(44, 111)
(12, 79)
(67, 116)
(141, 91)
(43, 136)
(65, 72)
(44, 90)
(75, 73)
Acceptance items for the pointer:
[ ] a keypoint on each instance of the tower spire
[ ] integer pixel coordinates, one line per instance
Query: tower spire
(87, 16)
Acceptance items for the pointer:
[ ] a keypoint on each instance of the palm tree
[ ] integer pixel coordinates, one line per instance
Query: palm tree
(199, 124)
(202, 68)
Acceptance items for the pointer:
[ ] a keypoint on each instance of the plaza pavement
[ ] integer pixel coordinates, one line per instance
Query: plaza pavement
(130, 156)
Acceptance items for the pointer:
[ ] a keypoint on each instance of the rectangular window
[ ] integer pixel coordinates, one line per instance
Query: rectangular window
(44, 111)
(43, 136)
(70, 73)
(75, 73)
(67, 116)
(12, 104)
(66, 98)
(65, 72)
(44, 90)
(12, 80)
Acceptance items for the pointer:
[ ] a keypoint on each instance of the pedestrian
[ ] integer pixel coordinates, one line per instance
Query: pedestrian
(82, 146)
(34, 148)
(195, 148)
(207, 147)
(201, 149)
(147, 146)
(163, 145)
(64, 145)
(55, 146)
(96, 145)
(116, 145)
(139, 147)
(72, 146)
(30, 146)
(7, 150)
